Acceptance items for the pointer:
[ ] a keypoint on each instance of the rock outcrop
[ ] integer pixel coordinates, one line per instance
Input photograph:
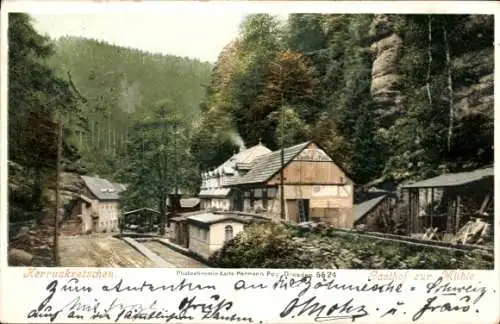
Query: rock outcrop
(34, 245)
(386, 82)
(474, 94)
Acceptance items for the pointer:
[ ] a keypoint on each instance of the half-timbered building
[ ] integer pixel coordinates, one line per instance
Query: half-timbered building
(214, 195)
(315, 187)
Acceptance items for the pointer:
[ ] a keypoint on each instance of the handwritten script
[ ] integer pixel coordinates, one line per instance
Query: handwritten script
(275, 296)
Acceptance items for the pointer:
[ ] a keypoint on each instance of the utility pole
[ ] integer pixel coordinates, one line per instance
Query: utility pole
(58, 180)
(282, 129)
(175, 160)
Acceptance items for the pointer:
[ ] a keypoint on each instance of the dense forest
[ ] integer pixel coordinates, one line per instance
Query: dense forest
(117, 107)
(122, 86)
(389, 96)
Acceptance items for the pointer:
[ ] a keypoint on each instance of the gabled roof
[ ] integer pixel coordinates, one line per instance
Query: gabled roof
(268, 165)
(452, 179)
(101, 188)
(244, 157)
(362, 209)
(135, 211)
(85, 199)
(207, 219)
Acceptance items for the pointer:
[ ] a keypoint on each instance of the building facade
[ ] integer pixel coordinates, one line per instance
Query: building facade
(105, 201)
(315, 187)
(208, 232)
(214, 195)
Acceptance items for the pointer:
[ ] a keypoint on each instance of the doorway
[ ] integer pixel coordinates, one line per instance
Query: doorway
(303, 206)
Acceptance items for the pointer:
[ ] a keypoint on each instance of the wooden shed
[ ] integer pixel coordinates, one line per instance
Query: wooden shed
(448, 201)
(374, 211)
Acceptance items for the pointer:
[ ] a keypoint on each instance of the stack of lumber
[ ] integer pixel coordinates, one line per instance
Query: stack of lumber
(476, 231)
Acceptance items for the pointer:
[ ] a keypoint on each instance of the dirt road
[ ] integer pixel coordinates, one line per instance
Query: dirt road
(99, 250)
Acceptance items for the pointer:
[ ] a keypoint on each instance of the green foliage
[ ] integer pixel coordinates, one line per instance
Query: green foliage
(37, 99)
(158, 159)
(325, 83)
(258, 246)
(121, 85)
(275, 245)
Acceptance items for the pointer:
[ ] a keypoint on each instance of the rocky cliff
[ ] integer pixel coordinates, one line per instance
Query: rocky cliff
(472, 63)
(386, 80)
(33, 243)
(474, 90)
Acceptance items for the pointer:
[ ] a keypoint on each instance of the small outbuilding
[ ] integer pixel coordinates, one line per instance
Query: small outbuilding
(447, 202)
(373, 212)
(79, 219)
(209, 231)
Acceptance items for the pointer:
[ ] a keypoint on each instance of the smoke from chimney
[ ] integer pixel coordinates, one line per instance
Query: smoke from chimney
(237, 140)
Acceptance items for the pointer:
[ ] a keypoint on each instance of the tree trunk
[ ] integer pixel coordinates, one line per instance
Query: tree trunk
(109, 142)
(37, 193)
(429, 54)
(114, 142)
(58, 180)
(450, 90)
(163, 213)
(92, 135)
(98, 146)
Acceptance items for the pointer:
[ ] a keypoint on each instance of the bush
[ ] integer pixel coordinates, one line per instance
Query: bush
(273, 245)
(267, 245)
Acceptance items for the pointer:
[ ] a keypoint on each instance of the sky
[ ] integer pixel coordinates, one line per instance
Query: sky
(197, 35)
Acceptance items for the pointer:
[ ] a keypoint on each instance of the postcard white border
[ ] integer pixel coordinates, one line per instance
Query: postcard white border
(185, 7)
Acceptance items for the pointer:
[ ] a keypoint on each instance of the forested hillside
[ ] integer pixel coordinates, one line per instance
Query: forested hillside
(118, 110)
(397, 96)
(122, 86)
(394, 96)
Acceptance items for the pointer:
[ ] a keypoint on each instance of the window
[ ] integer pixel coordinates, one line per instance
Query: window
(252, 198)
(264, 198)
(205, 235)
(229, 233)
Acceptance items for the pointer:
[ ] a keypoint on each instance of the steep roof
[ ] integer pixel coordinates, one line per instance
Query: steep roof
(362, 209)
(244, 157)
(452, 179)
(101, 188)
(268, 165)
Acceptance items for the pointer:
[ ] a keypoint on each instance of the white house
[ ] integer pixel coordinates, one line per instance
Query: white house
(105, 201)
(213, 194)
(208, 232)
